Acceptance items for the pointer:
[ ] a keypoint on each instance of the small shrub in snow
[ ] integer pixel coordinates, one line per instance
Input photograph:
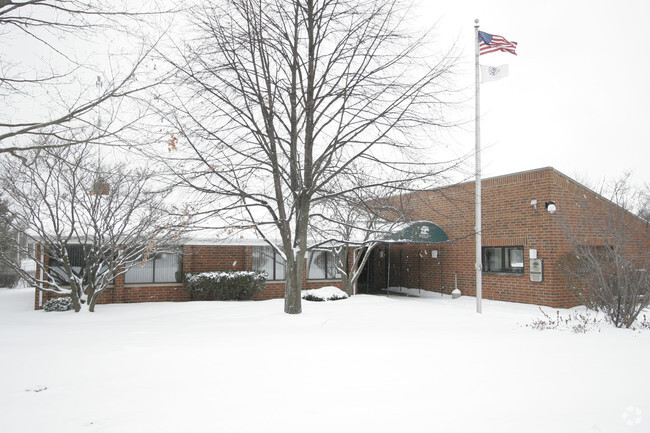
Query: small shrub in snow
(607, 281)
(58, 304)
(37, 389)
(324, 294)
(224, 286)
(313, 298)
(576, 322)
(641, 324)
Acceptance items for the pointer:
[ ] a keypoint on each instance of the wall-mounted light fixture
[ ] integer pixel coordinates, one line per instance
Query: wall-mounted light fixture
(434, 254)
(533, 203)
(550, 207)
(381, 254)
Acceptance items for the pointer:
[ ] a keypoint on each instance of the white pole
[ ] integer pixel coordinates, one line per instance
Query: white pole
(354, 260)
(98, 84)
(479, 267)
(41, 273)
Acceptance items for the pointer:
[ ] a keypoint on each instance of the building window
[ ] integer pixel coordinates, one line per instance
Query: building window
(162, 268)
(267, 259)
(321, 266)
(503, 259)
(57, 269)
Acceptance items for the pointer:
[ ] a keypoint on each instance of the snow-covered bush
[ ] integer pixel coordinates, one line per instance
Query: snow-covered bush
(642, 324)
(578, 322)
(605, 280)
(58, 304)
(329, 293)
(224, 285)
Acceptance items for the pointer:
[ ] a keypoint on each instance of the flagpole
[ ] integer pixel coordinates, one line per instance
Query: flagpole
(478, 266)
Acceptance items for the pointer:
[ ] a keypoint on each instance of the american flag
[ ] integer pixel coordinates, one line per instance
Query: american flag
(488, 43)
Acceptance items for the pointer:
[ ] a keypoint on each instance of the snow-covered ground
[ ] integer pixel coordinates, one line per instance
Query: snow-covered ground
(364, 364)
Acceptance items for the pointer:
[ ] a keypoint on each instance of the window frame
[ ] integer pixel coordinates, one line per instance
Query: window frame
(277, 260)
(76, 260)
(77, 254)
(506, 265)
(329, 255)
(157, 256)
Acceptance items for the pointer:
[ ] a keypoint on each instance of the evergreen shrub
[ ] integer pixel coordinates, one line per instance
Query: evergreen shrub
(315, 298)
(224, 285)
(58, 304)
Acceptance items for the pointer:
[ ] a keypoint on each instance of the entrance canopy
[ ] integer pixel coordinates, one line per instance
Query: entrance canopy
(418, 233)
(410, 264)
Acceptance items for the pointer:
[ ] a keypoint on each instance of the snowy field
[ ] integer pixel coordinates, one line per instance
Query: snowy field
(365, 364)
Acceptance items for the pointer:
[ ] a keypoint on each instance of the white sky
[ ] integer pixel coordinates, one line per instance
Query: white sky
(578, 91)
(577, 95)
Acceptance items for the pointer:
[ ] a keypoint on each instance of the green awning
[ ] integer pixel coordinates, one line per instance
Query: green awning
(419, 232)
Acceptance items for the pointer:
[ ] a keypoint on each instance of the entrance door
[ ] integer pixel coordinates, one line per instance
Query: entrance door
(365, 281)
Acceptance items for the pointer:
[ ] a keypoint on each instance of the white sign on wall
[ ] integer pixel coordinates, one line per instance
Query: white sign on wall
(536, 270)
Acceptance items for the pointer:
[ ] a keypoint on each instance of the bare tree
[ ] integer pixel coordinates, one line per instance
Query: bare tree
(5, 224)
(354, 223)
(91, 223)
(278, 99)
(644, 203)
(610, 260)
(53, 81)
(8, 276)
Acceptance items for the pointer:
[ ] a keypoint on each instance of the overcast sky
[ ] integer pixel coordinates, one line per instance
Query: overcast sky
(578, 92)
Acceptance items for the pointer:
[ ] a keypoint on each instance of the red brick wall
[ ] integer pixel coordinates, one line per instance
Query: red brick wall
(196, 258)
(508, 219)
(203, 258)
(275, 289)
(144, 293)
(237, 258)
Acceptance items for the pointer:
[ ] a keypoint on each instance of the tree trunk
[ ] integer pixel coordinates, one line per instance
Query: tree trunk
(296, 259)
(346, 280)
(293, 287)
(92, 300)
(76, 299)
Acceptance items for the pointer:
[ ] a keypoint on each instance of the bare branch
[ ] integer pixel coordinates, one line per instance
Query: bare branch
(108, 215)
(278, 102)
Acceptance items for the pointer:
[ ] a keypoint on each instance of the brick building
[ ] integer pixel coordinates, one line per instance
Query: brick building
(529, 222)
(160, 279)
(523, 246)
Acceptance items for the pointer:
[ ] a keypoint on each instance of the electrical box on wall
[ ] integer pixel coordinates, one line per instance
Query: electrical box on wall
(536, 270)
